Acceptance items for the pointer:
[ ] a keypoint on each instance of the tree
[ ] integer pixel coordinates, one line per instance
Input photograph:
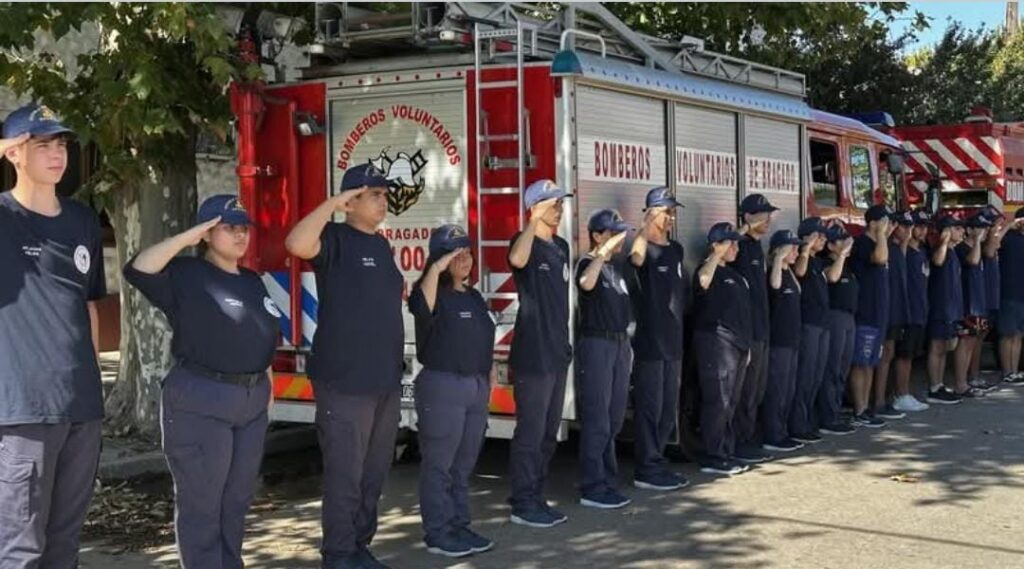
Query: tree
(1008, 79)
(154, 77)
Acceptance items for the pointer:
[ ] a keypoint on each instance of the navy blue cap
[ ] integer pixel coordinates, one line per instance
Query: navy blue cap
(363, 176)
(948, 221)
(661, 197)
(723, 231)
(445, 239)
(783, 237)
(756, 203)
(979, 220)
(37, 120)
(543, 190)
(991, 212)
(227, 207)
(904, 218)
(810, 225)
(921, 217)
(836, 233)
(878, 212)
(1019, 214)
(607, 220)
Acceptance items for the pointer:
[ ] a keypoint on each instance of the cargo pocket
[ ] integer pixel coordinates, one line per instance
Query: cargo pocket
(15, 487)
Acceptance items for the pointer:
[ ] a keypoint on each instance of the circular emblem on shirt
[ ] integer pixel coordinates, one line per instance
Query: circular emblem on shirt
(82, 259)
(565, 273)
(271, 307)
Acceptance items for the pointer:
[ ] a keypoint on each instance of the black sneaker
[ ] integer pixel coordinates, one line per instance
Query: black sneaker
(970, 393)
(943, 396)
(559, 517)
(475, 541)
(448, 545)
(751, 455)
(838, 428)
(979, 383)
(1014, 379)
(786, 445)
(807, 438)
(865, 420)
(536, 517)
(721, 466)
(888, 412)
(661, 481)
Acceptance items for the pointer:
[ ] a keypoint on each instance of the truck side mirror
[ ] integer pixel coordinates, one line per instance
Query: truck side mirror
(894, 162)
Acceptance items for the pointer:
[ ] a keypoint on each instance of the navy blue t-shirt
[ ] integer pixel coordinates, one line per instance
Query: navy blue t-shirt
(659, 294)
(222, 321)
(785, 312)
(990, 265)
(918, 267)
(975, 303)
(1011, 266)
(751, 264)
(899, 309)
(724, 307)
(814, 299)
(843, 294)
(873, 303)
(606, 307)
(540, 343)
(458, 335)
(50, 267)
(358, 344)
(945, 290)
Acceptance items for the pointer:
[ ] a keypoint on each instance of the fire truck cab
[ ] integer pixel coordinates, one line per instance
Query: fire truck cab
(464, 104)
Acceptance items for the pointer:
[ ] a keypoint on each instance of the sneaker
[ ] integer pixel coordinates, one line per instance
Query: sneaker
(1014, 379)
(752, 455)
(559, 517)
(943, 396)
(970, 393)
(787, 445)
(979, 383)
(909, 404)
(889, 412)
(720, 466)
(838, 428)
(608, 500)
(865, 420)
(662, 481)
(448, 545)
(683, 482)
(475, 541)
(537, 517)
(807, 438)
(368, 561)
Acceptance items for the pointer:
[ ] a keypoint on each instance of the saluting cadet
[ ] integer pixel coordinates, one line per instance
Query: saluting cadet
(843, 290)
(814, 335)
(755, 213)
(51, 399)
(1011, 300)
(722, 344)
(945, 299)
(660, 298)
(215, 398)
(990, 266)
(913, 341)
(540, 351)
(784, 297)
(603, 357)
(455, 344)
(976, 306)
(356, 362)
(899, 312)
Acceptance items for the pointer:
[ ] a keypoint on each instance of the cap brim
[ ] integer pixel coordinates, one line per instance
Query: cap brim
(50, 130)
(731, 236)
(621, 227)
(235, 218)
(665, 203)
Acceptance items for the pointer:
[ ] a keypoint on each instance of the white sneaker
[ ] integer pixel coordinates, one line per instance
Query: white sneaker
(908, 403)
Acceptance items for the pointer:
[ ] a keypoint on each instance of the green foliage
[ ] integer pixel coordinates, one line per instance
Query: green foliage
(157, 75)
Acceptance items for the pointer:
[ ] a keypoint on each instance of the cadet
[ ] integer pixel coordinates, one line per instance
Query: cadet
(722, 344)
(843, 290)
(356, 363)
(784, 297)
(945, 298)
(603, 358)
(540, 351)
(51, 399)
(990, 266)
(1011, 301)
(215, 398)
(455, 344)
(899, 312)
(869, 261)
(755, 213)
(814, 336)
(975, 320)
(912, 343)
(660, 297)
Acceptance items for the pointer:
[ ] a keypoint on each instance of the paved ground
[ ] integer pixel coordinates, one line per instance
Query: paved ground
(957, 503)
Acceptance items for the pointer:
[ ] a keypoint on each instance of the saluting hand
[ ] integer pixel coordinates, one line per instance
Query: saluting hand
(538, 211)
(194, 235)
(446, 259)
(608, 247)
(343, 201)
(718, 250)
(946, 236)
(6, 143)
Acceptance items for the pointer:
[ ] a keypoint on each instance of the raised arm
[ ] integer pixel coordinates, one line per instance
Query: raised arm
(304, 239)
(153, 259)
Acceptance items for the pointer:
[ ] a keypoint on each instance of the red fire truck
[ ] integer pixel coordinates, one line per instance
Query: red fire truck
(464, 104)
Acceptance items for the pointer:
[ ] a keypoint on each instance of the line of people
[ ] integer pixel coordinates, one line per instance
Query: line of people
(778, 340)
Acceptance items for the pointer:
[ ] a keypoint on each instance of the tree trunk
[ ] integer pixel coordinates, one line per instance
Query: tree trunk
(142, 215)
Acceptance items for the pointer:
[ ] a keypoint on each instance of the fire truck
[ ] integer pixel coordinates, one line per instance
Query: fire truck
(464, 104)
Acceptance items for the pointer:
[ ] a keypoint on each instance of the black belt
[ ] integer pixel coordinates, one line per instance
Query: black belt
(243, 379)
(604, 334)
